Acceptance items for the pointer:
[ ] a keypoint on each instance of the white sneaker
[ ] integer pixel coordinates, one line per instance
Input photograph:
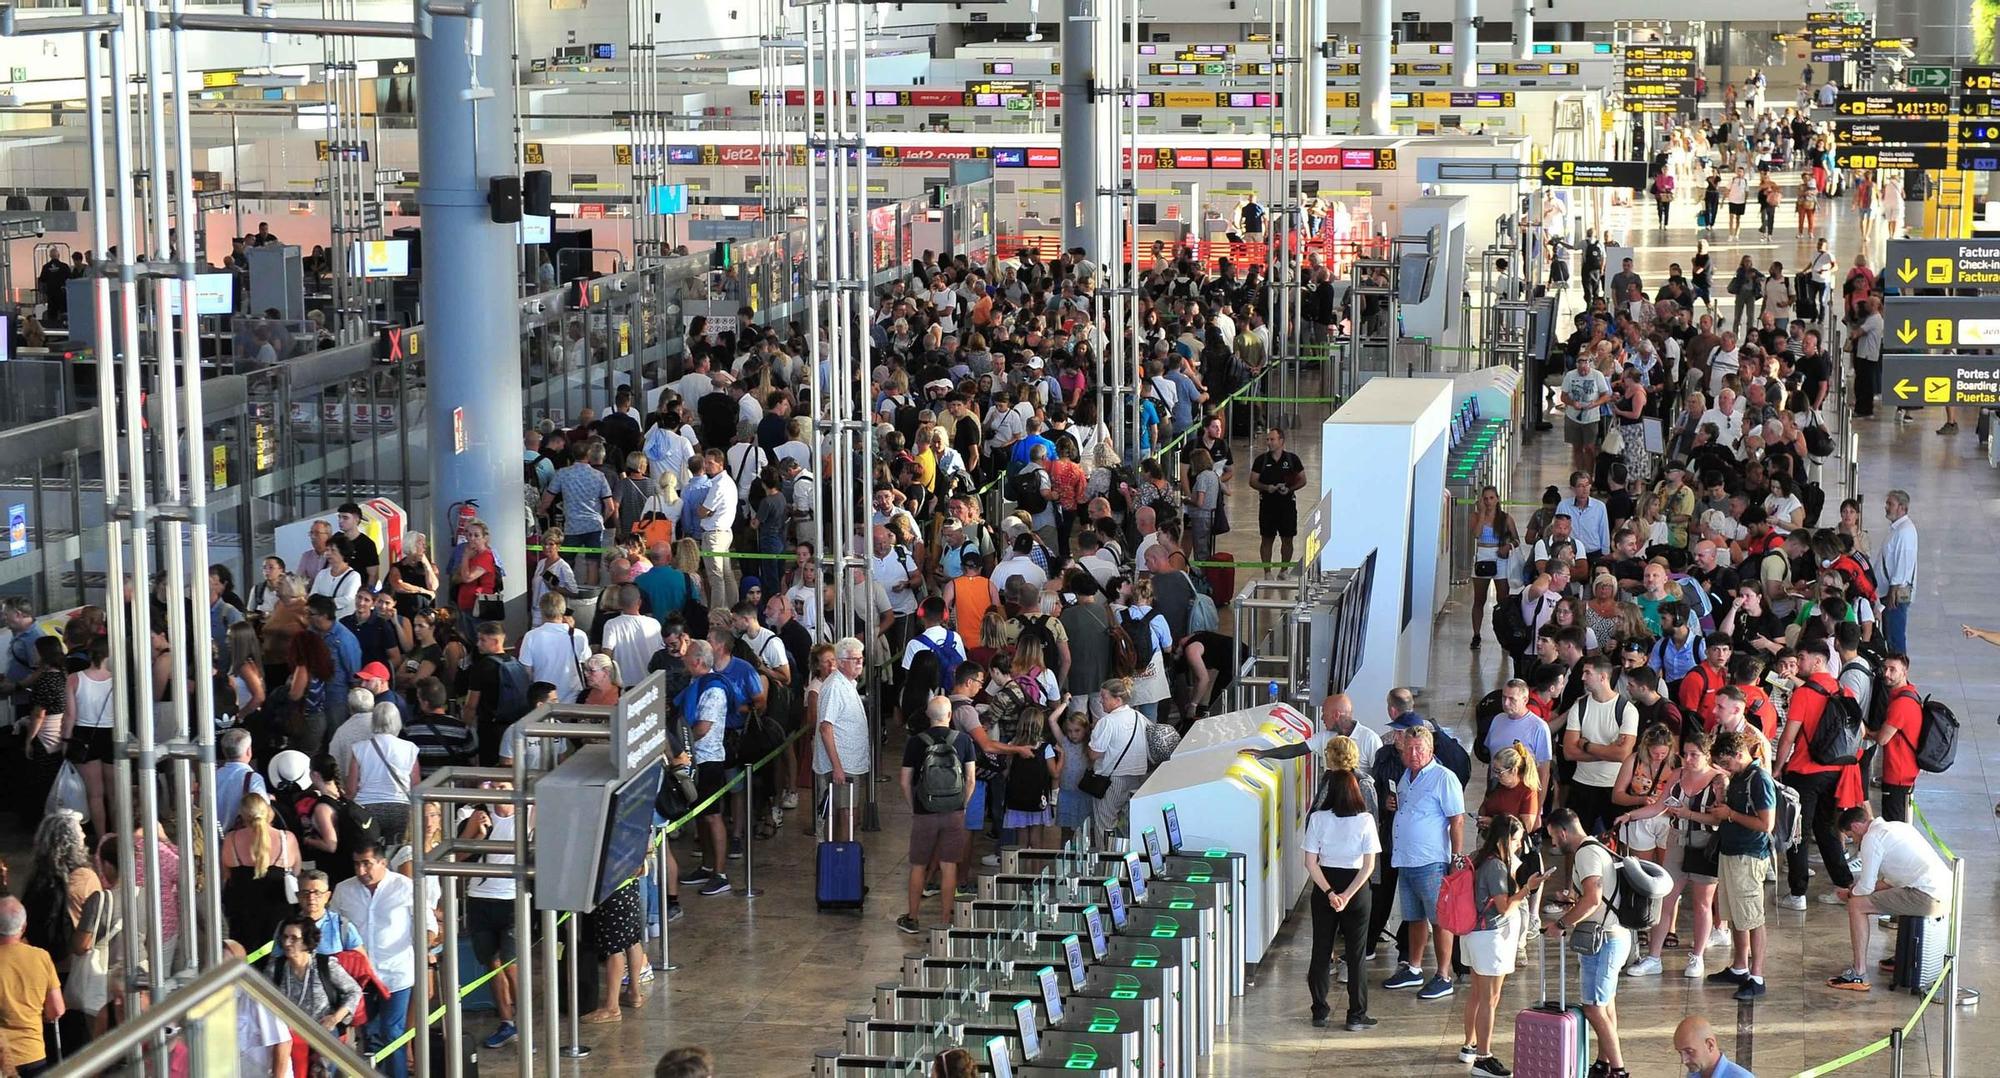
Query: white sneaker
(1718, 938)
(1645, 967)
(991, 860)
(1696, 968)
(1791, 902)
(789, 801)
(1828, 898)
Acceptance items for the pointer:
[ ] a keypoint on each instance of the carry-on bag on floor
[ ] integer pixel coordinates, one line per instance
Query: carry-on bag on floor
(1919, 953)
(1551, 1039)
(468, 1051)
(838, 885)
(1221, 580)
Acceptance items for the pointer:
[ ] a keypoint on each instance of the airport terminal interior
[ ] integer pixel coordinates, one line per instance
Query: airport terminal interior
(1126, 538)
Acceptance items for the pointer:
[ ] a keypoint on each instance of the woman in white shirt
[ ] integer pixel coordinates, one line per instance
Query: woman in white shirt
(1340, 847)
(381, 772)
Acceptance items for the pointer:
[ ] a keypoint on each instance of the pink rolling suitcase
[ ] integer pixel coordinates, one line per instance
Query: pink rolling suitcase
(1551, 1039)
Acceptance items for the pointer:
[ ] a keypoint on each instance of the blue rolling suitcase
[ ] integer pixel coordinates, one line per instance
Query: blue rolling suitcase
(842, 865)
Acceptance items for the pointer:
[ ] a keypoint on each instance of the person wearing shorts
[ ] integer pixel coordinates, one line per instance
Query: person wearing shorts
(1900, 876)
(937, 833)
(1744, 819)
(1427, 837)
(1277, 474)
(1593, 880)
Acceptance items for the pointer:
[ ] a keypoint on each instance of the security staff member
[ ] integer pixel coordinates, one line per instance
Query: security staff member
(1277, 474)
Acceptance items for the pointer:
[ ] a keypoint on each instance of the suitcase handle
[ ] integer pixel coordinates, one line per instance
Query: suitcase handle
(1562, 968)
(832, 797)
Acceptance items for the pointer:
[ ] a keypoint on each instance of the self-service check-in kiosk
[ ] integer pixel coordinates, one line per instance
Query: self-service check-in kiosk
(1255, 807)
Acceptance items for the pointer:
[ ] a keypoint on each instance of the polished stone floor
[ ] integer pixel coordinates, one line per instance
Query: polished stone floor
(761, 983)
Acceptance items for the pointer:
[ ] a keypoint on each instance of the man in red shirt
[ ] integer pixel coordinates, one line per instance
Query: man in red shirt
(1698, 688)
(1818, 784)
(1757, 706)
(1903, 722)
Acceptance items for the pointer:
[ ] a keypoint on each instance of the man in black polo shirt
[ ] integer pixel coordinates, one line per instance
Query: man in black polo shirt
(362, 555)
(1277, 474)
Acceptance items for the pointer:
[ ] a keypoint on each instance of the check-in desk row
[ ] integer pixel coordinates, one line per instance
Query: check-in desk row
(1071, 962)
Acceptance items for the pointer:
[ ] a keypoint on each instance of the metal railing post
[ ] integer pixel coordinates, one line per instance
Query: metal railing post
(1951, 968)
(576, 1049)
(750, 833)
(1896, 1053)
(665, 964)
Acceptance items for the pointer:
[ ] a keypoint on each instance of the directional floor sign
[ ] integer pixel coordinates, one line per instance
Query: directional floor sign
(1915, 381)
(1943, 264)
(1926, 322)
(1630, 174)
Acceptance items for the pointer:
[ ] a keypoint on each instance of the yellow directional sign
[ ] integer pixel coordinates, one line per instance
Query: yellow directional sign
(1631, 174)
(1943, 264)
(1909, 106)
(1964, 381)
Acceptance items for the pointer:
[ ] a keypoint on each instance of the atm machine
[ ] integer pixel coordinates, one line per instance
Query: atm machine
(1195, 925)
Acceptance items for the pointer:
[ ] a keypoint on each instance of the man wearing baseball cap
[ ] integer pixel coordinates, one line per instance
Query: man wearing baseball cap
(375, 678)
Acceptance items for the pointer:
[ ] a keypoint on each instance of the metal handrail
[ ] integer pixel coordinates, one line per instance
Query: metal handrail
(108, 1051)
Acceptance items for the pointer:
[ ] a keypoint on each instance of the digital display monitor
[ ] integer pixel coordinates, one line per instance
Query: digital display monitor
(1149, 50)
(1242, 101)
(1115, 896)
(1031, 1038)
(1154, 854)
(1009, 157)
(603, 50)
(683, 155)
(1136, 871)
(998, 1058)
(380, 258)
(884, 97)
(1051, 994)
(1171, 816)
(628, 830)
(1001, 67)
(1093, 921)
(1073, 954)
(986, 101)
(1265, 99)
(214, 293)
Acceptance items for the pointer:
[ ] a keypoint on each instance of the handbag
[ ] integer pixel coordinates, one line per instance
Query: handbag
(1219, 523)
(1587, 937)
(1161, 741)
(1614, 441)
(1097, 783)
(1486, 568)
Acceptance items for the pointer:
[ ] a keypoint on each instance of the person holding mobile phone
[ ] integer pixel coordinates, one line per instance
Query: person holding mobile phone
(1491, 947)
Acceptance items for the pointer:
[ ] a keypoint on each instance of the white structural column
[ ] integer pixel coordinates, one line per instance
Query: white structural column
(1465, 44)
(1081, 150)
(1316, 47)
(1524, 29)
(1374, 67)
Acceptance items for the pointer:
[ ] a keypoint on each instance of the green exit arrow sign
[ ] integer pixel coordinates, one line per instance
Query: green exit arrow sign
(1922, 77)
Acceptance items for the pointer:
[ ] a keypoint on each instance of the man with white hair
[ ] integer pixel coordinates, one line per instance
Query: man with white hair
(234, 777)
(840, 742)
(30, 994)
(351, 732)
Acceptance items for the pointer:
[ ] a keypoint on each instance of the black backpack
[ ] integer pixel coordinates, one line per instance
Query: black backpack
(1037, 626)
(1937, 743)
(1139, 632)
(1841, 734)
(940, 780)
(1024, 488)
(1483, 714)
(1811, 495)
(1511, 628)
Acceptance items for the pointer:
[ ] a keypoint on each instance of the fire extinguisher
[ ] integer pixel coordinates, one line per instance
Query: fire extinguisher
(467, 511)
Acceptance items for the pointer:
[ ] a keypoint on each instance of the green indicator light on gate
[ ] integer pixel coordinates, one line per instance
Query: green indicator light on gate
(1164, 932)
(1145, 963)
(1124, 993)
(1103, 1025)
(1215, 852)
(1199, 879)
(1180, 904)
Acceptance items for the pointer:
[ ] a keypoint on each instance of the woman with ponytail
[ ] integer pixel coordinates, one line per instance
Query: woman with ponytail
(1516, 790)
(258, 860)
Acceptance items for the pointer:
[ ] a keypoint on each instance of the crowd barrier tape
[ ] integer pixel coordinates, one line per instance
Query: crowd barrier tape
(1909, 1026)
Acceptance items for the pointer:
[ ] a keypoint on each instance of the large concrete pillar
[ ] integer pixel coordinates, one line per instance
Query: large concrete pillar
(1465, 45)
(1524, 29)
(471, 341)
(1722, 61)
(1079, 128)
(1316, 46)
(1375, 67)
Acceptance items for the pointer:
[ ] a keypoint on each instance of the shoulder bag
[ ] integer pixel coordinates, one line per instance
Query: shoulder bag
(1097, 783)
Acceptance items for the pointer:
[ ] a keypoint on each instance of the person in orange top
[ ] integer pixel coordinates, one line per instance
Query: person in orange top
(1903, 723)
(967, 597)
(1067, 479)
(1744, 671)
(1696, 695)
(1819, 785)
